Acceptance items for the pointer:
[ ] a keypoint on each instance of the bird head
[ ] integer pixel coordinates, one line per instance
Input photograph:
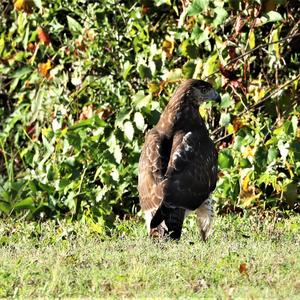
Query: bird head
(201, 91)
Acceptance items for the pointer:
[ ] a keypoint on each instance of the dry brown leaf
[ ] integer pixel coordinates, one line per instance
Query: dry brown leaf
(168, 46)
(145, 9)
(104, 113)
(239, 24)
(243, 268)
(237, 124)
(90, 34)
(44, 68)
(31, 47)
(80, 44)
(87, 112)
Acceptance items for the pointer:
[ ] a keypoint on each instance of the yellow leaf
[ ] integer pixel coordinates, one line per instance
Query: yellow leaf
(261, 93)
(248, 152)
(245, 183)
(168, 46)
(19, 4)
(251, 39)
(275, 47)
(154, 87)
(247, 198)
(44, 68)
(230, 129)
(203, 112)
(24, 5)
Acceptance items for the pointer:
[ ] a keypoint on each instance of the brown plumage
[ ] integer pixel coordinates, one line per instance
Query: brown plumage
(178, 163)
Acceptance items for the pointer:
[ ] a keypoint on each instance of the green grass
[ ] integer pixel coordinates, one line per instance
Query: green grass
(70, 260)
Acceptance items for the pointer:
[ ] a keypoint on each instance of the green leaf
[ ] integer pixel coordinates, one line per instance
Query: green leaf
(36, 105)
(128, 130)
(139, 121)
(272, 154)
(48, 146)
(199, 36)
(124, 114)
(82, 124)
(288, 128)
(188, 69)
(145, 72)
(283, 149)
(5, 207)
(295, 149)
(271, 16)
(260, 158)
(225, 119)
(74, 26)
(126, 69)
(140, 100)
(13, 85)
(26, 203)
(196, 7)
(99, 122)
(211, 65)
(21, 73)
(226, 101)
(221, 15)
(115, 149)
(189, 50)
(225, 159)
(245, 163)
(26, 37)
(38, 3)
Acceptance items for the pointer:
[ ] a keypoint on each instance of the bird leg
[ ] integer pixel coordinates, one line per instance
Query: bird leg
(205, 216)
(174, 222)
(173, 218)
(157, 231)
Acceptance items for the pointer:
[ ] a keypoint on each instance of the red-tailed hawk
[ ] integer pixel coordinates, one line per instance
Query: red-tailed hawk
(178, 164)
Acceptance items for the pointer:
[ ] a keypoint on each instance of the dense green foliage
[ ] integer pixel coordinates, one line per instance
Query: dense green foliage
(81, 82)
(69, 260)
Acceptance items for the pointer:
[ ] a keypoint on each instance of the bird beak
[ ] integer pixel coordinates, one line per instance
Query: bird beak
(216, 97)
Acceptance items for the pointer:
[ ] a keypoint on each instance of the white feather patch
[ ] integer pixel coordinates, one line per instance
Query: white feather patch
(186, 147)
(205, 215)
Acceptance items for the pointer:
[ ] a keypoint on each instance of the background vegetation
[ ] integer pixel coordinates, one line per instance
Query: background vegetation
(81, 82)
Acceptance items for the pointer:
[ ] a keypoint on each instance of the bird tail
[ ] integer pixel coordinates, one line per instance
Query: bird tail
(173, 218)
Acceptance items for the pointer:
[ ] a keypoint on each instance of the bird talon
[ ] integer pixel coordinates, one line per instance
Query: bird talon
(154, 233)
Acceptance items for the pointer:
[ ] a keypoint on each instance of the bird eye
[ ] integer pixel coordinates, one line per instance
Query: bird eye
(204, 90)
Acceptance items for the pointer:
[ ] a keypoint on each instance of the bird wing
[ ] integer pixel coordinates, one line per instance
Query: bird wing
(192, 170)
(152, 167)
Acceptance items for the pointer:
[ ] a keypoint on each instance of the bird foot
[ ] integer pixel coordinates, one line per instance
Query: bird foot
(154, 233)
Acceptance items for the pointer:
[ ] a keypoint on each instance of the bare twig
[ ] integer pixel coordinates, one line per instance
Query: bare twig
(254, 106)
(254, 49)
(264, 99)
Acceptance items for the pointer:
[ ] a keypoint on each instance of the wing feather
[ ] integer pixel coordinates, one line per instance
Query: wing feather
(192, 170)
(152, 167)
